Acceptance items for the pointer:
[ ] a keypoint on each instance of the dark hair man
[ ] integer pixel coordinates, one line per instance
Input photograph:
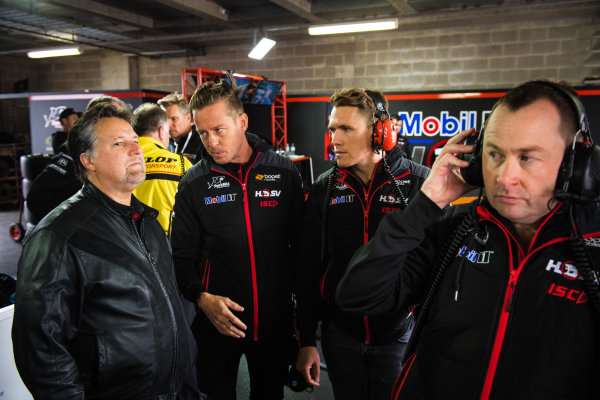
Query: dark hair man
(345, 204)
(184, 139)
(115, 101)
(67, 119)
(236, 212)
(97, 312)
(511, 308)
(164, 169)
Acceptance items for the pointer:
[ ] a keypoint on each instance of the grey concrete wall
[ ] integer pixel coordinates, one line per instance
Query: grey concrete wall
(475, 49)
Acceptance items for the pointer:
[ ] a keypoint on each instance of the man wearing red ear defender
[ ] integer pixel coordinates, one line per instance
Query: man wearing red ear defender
(344, 208)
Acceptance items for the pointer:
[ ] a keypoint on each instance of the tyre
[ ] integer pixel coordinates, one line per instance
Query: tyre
(16, 232)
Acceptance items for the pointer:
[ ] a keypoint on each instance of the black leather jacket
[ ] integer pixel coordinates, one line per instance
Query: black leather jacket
(97, 312)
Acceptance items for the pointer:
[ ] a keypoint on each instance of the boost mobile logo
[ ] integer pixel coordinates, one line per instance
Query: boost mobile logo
(268, 178)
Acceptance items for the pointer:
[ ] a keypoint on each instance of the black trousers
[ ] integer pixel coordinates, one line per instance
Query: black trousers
(219, 359)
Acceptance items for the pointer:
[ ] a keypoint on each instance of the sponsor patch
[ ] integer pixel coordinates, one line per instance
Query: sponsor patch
(567, 269)
(267, 193)
(218, 182)
(482, 257)
(342, 199)
(268, 178)
(219, 199)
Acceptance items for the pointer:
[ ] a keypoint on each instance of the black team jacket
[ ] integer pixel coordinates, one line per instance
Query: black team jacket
(234, 231)
(507, 321)
(353, 214)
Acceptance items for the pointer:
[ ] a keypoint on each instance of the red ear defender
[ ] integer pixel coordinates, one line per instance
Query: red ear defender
(384, 134)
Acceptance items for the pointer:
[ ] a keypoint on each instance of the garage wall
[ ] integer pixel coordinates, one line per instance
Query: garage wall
(474, 49)
(482, 57)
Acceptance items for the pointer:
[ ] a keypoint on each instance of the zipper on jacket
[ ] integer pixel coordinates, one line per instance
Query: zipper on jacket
(244, 180)
(153, 262)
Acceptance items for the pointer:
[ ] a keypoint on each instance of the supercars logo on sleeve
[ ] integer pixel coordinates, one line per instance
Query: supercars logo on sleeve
(218, 182)
(268, 178)
(219, 199)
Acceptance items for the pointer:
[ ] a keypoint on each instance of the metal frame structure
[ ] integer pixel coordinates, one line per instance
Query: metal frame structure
(192, 78)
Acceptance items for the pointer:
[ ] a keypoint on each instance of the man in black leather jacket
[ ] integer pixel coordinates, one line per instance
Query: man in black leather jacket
(97, 314)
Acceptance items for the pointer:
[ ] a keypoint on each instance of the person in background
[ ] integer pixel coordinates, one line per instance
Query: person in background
(513, 303)
(184, 140)
(344, 208)
(67, 119)
(237, 212)
(164, 169)
(402, 139)
(115, 101)
(97, 312)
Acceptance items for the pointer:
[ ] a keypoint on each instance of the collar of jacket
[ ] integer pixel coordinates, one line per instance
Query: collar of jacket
(255, 141)
(393, 157)
(151, 140)
(128, 212)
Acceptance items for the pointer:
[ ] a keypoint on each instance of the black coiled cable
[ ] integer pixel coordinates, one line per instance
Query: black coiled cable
(395, 183)
(584, 263)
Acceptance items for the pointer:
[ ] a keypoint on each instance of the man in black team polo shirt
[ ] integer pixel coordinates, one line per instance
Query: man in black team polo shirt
(346, 203)
(235, 217)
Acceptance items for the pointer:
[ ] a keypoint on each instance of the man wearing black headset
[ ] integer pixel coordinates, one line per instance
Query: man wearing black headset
(511, 313)
(344, 208)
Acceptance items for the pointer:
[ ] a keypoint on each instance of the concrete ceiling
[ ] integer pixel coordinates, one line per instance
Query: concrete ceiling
(163, 28)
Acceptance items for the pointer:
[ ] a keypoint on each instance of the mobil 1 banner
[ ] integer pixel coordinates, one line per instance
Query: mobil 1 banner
(429, 120)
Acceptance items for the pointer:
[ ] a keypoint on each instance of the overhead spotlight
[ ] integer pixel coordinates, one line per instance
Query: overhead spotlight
(262, 48)
(357, 26)
(58, 52)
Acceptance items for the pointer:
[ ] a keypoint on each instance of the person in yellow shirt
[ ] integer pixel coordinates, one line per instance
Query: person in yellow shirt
(164, 169)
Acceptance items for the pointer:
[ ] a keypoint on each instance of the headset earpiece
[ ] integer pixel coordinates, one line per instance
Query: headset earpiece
(473, 174)
(384, 135)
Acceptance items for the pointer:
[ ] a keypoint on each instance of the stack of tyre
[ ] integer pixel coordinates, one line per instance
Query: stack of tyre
(31, 166)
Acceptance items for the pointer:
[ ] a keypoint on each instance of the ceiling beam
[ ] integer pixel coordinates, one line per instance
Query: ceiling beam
(200, 8)
(301, 8)
(107, 11)
(402, 6)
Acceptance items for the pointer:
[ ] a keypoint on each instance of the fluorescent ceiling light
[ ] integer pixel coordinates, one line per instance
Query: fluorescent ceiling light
(261, 49)
(358, 26)
(65, 51)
